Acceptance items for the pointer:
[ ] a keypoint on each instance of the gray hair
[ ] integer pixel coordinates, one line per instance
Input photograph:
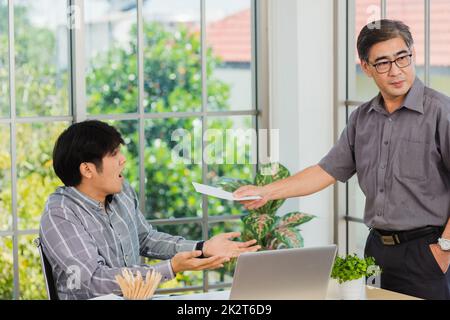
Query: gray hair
(381, 30)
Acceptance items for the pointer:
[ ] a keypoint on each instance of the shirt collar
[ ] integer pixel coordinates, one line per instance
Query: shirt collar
(413, 100)
(91, 203)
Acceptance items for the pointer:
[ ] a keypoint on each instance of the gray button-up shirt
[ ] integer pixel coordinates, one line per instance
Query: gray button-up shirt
(88, 245)
(402, 159)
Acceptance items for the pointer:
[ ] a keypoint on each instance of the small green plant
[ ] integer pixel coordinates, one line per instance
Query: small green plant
(270, 230)
(352, 267)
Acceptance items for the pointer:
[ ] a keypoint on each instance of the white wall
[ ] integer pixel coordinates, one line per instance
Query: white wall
(301, 99)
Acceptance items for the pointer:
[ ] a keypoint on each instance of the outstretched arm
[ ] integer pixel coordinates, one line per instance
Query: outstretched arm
(306, 182)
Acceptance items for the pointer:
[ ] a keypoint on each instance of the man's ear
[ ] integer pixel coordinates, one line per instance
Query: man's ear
(366, 68)
(87, 170)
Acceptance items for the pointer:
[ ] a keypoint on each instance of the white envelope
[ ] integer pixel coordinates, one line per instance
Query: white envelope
(219, 193)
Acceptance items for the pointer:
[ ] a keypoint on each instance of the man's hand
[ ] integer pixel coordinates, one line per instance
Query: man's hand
(442, 257)
(247, 191)
(222, 245)
(189, 260)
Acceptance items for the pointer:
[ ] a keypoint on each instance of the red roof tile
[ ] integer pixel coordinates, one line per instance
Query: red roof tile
(231, 38)
(411, 12)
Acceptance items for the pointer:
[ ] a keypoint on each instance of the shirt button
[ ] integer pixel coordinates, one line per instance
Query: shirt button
(386, 142)
(383, 166)
(126, 257)
(390, 119)
(381, 190)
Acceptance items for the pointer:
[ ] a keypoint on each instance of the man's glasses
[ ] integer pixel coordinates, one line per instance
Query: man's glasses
(385, 66)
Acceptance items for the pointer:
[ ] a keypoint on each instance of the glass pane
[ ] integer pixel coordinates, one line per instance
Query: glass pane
(440, 46)
(357, 236)
(230, 144)
(41, 57)
(192, 231)
(32, 283)
(4, 60)
(5, 179)
(172, 161)
(6, 269)
(129, 130)
(360, 86)
(412, 13)
(172, 60)
(35, 169)
(229, 40)
(111, 59)
(224, 274)
(189, 231)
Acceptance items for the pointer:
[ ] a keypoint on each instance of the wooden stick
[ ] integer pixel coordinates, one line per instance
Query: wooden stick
(155, 283)
(141, 286)
(123, 285)
(147, 285)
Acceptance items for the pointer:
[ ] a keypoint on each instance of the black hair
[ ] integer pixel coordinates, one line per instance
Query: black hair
(381, 30)
(87, 141)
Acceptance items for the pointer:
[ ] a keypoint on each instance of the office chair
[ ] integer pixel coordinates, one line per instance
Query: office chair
(52, 294)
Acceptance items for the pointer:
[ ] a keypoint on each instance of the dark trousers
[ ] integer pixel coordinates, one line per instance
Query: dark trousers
(410, 267)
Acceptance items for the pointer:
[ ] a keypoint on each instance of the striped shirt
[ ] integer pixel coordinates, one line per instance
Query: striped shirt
(87, 244)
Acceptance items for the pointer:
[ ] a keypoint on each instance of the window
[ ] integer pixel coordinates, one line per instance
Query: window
(151, 68)
(431, 33)
(439, 46)
(34, 109)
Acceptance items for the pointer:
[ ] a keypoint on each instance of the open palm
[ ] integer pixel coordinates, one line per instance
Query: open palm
(223, 245)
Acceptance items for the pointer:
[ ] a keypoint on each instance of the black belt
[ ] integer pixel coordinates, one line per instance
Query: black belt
(392, 238)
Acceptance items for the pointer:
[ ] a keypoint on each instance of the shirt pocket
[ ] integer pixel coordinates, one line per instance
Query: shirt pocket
(412, 159)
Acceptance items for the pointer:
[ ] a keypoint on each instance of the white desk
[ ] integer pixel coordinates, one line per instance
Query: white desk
(371, 293)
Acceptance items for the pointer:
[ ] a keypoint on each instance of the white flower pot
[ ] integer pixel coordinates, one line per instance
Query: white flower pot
(352, 290)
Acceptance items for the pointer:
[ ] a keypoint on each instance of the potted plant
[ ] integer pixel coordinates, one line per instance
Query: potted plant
(272, 231)
(351, 271)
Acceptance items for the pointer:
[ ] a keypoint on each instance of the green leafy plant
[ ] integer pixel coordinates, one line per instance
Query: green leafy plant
(270, 230)
(352, 267)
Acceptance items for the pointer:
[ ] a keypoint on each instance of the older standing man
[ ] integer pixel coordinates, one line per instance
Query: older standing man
(398, 144)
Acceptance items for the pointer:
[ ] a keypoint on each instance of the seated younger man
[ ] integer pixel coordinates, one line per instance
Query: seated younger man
(92, 227)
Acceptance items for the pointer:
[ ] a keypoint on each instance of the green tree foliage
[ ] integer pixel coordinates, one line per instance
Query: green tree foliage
(40, 90)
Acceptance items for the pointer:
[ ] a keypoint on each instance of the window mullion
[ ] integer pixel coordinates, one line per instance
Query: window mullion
(141, 111)
(13, 144)
(204, 127)
(383, 6)
(78, 62)
(427, 42)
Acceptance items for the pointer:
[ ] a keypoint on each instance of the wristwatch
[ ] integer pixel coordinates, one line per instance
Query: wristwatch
(199, 246)
(444, 244)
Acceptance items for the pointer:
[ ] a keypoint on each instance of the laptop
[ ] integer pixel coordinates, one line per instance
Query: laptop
(285, 274)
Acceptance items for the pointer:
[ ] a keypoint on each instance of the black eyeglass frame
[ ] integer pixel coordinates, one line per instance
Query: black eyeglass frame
(375, 65)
